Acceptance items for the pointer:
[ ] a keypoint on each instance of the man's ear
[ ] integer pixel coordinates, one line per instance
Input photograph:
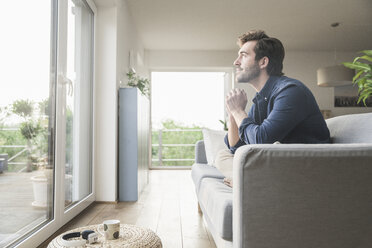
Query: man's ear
(264, 62)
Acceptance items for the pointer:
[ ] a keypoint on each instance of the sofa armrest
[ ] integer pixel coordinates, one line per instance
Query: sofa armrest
(299, 195)
(200, 156)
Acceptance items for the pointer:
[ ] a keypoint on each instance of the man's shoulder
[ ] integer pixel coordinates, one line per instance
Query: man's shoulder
(284, 80)
(284, 83)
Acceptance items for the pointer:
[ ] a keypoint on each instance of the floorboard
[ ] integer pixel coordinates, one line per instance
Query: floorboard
(168, 206)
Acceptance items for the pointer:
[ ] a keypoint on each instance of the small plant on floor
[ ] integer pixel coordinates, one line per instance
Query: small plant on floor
(363, 76)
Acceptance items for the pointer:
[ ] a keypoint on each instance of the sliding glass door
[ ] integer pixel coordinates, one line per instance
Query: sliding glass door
(26, 118)
(78, 101)
(46, 117)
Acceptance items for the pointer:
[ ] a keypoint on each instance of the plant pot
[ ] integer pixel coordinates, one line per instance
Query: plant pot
(39, 186)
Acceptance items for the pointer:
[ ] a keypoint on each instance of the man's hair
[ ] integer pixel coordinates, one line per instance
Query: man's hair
(266, 46)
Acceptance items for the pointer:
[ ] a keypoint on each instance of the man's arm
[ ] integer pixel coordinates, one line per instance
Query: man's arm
(233, 140)
(292, 105)
(233, 132)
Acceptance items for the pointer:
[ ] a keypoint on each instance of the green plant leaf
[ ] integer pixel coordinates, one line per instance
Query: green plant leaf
(357, 66)
(363, 77)
(365, 57)
(367, 52)
(364, 96)
(361, 82)
(143, 84)
(348, 65)
(357, 76)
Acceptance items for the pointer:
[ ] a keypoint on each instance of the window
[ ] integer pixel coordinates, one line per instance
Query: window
(182, 103)
(26, 112)
(46, 116)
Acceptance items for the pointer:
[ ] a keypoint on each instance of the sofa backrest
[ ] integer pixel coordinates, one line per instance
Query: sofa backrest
(352, 128)
(200, 156)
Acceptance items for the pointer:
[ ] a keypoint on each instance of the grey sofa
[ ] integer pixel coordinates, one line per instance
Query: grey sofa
(293, 195)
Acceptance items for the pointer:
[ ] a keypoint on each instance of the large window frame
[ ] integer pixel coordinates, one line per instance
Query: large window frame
(62, 215)
(228, 85)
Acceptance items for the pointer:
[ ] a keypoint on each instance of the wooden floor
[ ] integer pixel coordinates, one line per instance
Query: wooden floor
(168, 206)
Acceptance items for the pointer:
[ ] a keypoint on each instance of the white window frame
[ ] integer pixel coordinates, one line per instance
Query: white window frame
(62, 215)
(228, 85)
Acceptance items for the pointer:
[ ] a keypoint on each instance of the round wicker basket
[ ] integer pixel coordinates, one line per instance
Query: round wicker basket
(130, 237)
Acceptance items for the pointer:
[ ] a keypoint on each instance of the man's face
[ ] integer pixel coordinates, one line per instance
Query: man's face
(247, 68)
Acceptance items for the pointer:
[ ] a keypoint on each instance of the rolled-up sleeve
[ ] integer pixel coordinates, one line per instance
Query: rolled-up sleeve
(235, 147)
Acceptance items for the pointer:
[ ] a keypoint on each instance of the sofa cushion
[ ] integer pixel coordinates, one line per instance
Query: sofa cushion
(215, 199)
(213, 142)
(355, 128)
(200, 171)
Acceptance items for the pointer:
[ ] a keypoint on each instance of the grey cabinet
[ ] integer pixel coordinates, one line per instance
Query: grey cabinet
(134, 143)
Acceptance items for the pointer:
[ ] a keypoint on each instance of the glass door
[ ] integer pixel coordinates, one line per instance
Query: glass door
(27, 120)
(78, 102)
(46, 117)
(74, 128)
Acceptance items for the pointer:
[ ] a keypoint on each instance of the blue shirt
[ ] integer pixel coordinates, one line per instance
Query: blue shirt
(284, 110)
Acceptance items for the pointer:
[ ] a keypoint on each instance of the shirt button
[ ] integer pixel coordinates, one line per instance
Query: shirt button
(266, 99)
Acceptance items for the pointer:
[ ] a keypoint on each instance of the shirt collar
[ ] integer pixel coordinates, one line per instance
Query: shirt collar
(267, 89)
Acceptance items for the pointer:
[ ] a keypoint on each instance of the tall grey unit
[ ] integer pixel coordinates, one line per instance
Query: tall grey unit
(134, 140)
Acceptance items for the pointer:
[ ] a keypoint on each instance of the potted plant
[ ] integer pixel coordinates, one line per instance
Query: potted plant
(29, 128)
(32, 130)
(363, 75)
(143, 84)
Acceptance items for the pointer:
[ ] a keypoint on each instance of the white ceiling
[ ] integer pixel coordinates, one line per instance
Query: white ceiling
(215, 24)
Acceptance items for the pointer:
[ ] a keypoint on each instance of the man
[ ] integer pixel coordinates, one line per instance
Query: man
(284, 110)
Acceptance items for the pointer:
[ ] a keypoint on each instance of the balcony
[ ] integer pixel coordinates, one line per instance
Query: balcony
(174, 148)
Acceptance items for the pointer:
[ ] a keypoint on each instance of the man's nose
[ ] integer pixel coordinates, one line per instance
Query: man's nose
(237, 62)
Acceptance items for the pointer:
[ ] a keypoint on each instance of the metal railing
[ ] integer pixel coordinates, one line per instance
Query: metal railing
(24, 150)
(160, 146)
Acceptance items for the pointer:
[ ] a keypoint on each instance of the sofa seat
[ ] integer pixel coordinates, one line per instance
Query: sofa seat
(200, 171)
(215, 199)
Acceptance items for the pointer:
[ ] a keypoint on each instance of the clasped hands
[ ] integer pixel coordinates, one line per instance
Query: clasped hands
(236, 101)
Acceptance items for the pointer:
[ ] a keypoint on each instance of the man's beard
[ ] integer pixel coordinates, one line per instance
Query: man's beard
(248, 74)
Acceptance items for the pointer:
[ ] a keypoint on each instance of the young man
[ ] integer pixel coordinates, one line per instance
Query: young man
(284, 110)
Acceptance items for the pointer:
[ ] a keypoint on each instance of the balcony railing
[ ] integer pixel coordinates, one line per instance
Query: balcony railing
(167, 152)
(23, 149)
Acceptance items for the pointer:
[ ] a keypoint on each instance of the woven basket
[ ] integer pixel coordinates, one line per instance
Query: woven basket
(130, 237)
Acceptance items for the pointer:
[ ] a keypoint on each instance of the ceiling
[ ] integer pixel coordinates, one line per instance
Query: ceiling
(215, 24)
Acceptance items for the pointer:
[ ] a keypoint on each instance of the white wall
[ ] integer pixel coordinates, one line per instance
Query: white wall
(189, 59)
(116, 35)
(297, 64)
(105, 157)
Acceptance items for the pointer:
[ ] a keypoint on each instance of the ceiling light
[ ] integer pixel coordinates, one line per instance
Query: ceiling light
(335, 75)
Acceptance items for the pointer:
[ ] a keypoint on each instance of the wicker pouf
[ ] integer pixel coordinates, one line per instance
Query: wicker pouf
(130, 236)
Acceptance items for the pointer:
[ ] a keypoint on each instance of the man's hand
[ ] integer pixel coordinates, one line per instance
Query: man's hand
(236, 101)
